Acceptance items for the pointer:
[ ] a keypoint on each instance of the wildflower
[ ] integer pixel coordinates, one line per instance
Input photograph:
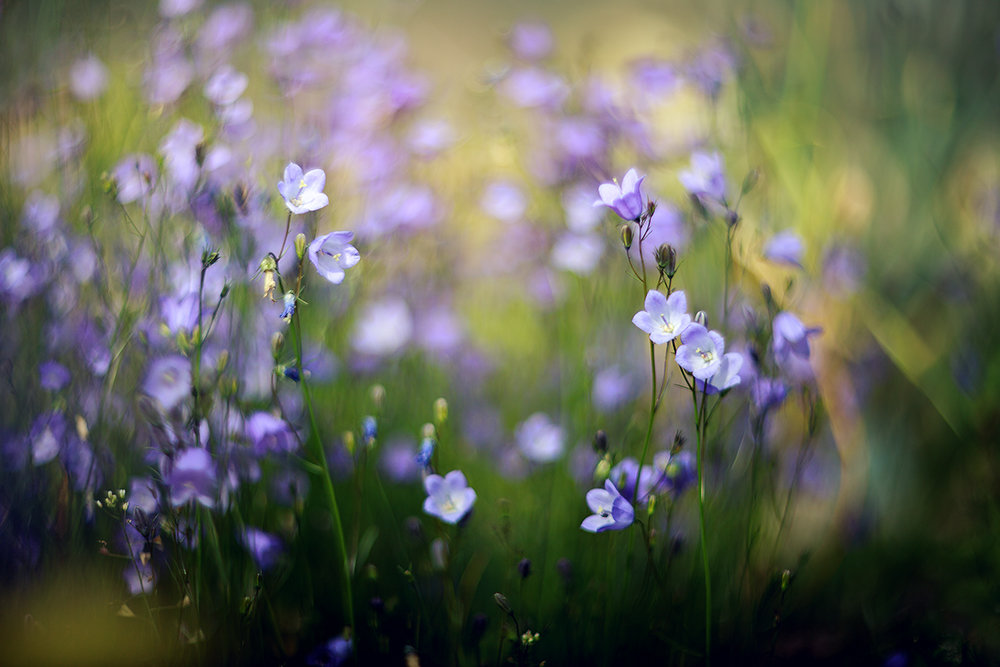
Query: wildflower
(303, 192)
(332, 253)
(192, 477)
(383, 328)
(702, 351)
(289, 310)
(269, 267)
(88, 78)
(785, 248)
(791, 337)
(426, 453)
(727, 376)
(264, 547)
(54, 375)
(169, 381)
(625, 199)
(664, 318)
(705, 178)
(449, 498)
(539, 439)
(610, 510)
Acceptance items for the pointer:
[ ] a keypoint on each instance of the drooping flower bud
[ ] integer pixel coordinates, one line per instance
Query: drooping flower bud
(666, 260)
(627, 235)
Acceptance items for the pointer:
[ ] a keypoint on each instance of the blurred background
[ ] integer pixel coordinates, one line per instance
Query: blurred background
(463, 144)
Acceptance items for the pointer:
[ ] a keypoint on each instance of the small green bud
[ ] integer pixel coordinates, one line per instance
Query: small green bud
(300, 246)
(440, 411)
(349, 442)
(269, 263)
(666, 260)
(209, 257)
(377, 394)
(627, 235)
(602, 470)
(277, 344)
(199, 153)
(428, 431)
(223, 361)
(503, 603)
(750, 180)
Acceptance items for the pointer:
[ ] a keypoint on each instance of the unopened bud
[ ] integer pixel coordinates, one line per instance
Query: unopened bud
(349, 443)
(209, 257)
(277, 344)
(666, 260)
(223, 361)
(786, 579)
(750, 180)
(241, 195)
(627, 235)
(701, 317)
(377, 393)
(428, 431)
(503, 603)
(199, 153)
(602, 470)
(601, 442)
(81, 428)
(524, 568)
(732, 217)
(440, 411)
(300, 246)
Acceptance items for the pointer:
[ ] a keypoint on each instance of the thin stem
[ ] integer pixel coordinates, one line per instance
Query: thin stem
(725, 287)
(700, 435)
(315, 449)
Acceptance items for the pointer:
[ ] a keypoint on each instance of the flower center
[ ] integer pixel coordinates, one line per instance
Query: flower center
(447, 504)
(706, 356)
(666, 327)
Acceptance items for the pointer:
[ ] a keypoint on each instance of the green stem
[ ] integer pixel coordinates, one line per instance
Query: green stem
(700, 434)
(314, 447)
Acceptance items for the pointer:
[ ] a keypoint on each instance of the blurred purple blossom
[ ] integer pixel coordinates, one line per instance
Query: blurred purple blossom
(265, 548)
(383, 328)
(505, 201)
(192, 477)
(53, 375)
(531, 40)
(579, 253)
(88, 78)
(705, 177)
(785, 248)
(269, 434)
(168, 381)
(534, 87)
(539, 439)
(226, 85)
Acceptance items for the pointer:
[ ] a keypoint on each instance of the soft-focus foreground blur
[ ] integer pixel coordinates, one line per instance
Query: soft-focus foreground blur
(454, 332)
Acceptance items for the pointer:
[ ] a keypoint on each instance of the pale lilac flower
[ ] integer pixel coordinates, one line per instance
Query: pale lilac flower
(664, 318)
(88, 78)
(429, 137)
(269, 434)
(48, 433)
(626, 473)
(539, 439)
(612, 389)
(172, 8)
(192, 477)
(785, 248)
(625, 199)
(54, 375)
(706, 177)
(726, 377)
(140, 578)
(265, 548)
(383, 328)
(303, 192)
(581, 215)
(135, 177)
(578, 253)
(791, 337)
(677, 471)
(531, 40)
(505, 201)
(610, 510)
(449, 498)
(534, 87)
(702, 351)
(179, 150)
(169, 381)
(226, 85)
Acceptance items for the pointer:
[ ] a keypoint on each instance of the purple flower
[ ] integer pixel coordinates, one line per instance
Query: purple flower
(702, 351)
(531, 40)
(289, 304)
(192, 477)
(539, 439)
(332, 254)
(135, 177)
(678, 471)
(626, 472)
(767, 393)
(610, 510)
(664, 318)
(169, 381)
(791, 337)
(226, 85)
(88, 78)
(383, 328)
(625, 199)
(449, 498)
(578, 253)
(140, 578)
(504, 200)
(785, 248)
(534, 87)
(331, 654)
(705, 178)
(48, 433)
(303, 192)
(269, 434)
(265, 548)
(727, 376)
(54, 375)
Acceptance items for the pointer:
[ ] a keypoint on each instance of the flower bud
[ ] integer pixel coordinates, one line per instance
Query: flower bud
(627, 235)
(750, 180)
(377, 394)
(479, 623)
(428, 431)
(223, 361)
(732, 217)
(440, 411)
(701, 317)
(666, 260)
(199, 153)
(81, 429)
(277, 343)
(524, 568)
(349, 443)
(503, 603)
(601, 442)
(786, 579)
(300, 246)
(602, 470)
(209, 256)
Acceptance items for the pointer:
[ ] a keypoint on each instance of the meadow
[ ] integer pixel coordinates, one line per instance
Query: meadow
(473, 333)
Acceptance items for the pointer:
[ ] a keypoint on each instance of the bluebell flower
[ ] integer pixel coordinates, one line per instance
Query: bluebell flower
(289, 301)
(426, 453)
(706, 177)
(625, 199)
(332, 254)
(611, 511)
(664, 318)
(449, 498)
(192, 477)
(265, 548)
(701, 352)
(303, 192)
(369, 430)
(785, 248)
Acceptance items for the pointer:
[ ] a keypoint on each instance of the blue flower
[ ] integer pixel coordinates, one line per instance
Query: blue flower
(664, 318)
(332, 253)
(625, 199)
(610, 510)
(303, 192)
(449, 498)
(289, 310)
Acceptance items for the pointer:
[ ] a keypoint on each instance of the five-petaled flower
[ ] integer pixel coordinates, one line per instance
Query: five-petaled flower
(449, 498)
(332, 253)
(625, 199)
(611, 511)
(702, 351)
(303, 192)
(664, 318)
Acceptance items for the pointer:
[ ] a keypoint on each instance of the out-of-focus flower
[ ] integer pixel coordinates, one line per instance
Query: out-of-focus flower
(767, 393)
(135, 176)
(88, 78)
(706, 177)
(269, 434)
(664, 318)
(331, 654)
(726, 377)
(785, 248)
(539, 439)
(265, 548)
(192, 477)
(179, 150)
(48, 433)
(625, 199)
(449, 498)
(332, 254)
(610, 510)
(504, 200)
(54, 375)
(625, 475)
(701, 352)
(303, 192)
(534, 87)
(531, 40)
(139, 577)
(677, 471)
(790, 344)
(289, 304)
(578, 253)
(383, 328)
(172, 8)
(226, 85)
(169, 381)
